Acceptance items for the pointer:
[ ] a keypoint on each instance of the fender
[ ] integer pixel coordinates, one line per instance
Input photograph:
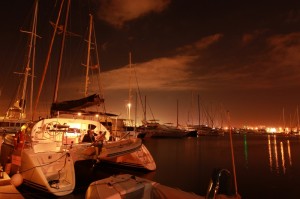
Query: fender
(19, 139)
(16, 140)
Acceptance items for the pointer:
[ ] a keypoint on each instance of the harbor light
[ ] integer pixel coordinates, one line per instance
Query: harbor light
(129, 107)
(271, 130)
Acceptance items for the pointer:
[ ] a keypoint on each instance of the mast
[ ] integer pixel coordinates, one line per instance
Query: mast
(283, 120)
(177, 115)
(61, 53)
(30, 60)
(27, 68)
(129, 92)
(88, 57)
(232, 154)
(47, 59)
(199, 111)
(33, 58)
(297, 120)
(145, 111)
(136, 99)
(98, 64)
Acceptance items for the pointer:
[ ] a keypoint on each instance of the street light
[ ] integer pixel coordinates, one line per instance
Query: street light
(129, 107)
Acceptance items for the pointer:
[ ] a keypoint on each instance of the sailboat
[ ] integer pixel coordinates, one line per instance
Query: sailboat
(15, 116)
(36, 160)
(154, 129)
(41, 162)
(46, 150)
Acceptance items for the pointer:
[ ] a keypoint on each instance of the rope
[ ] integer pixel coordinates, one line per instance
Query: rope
(65, 155)
(232, 155)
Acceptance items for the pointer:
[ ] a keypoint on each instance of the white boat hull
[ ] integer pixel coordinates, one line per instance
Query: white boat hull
(128, 186)
(52, 172)
(85, 151)
(53, 146)
(141, 158)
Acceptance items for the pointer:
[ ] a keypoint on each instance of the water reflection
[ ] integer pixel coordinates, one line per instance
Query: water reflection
(246, 150)
(289, 152)
(284, 147)
(270, 153)
(282, 157)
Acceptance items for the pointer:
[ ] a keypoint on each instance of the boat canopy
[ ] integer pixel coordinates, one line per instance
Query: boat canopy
(79, 105)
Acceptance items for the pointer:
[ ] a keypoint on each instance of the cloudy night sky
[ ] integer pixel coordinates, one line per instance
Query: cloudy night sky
(236, 57)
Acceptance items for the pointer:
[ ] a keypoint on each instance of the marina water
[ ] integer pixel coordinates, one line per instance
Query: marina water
(267, 166)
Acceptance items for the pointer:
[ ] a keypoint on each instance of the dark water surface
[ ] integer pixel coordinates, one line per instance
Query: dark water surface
(267, 166)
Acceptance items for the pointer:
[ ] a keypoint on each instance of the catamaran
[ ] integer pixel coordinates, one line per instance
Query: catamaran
(46, 150)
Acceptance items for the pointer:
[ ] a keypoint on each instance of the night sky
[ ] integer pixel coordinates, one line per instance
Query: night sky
(241, 59)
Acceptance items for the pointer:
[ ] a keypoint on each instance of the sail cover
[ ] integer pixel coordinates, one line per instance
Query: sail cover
(76, 105)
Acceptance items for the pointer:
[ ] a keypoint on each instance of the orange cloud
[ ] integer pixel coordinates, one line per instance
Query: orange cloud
(201, 44)
(117, 12)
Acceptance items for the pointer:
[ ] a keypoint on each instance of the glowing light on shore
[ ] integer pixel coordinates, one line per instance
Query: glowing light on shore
(271, 130)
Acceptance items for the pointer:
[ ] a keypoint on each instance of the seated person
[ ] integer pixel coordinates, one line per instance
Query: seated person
(101, 136)
(97, 141)
(89, 136)
(100, 139)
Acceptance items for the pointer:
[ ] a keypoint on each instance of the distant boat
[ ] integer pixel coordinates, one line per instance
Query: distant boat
(153, 129)
(192, 131)
(130, 186)
(208, 131)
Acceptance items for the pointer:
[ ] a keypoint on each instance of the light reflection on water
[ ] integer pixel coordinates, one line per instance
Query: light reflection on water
(246, 150)
(274, 152)
(289, 152)
(267, 166)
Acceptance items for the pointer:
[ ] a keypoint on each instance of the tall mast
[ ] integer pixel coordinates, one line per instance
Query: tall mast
(283, 120)
(30, 60)
(88, 57)
(177, 115)
(129, 92)
(33, 58)
(297, 120)
(232, 154)
(199, 117)
(136, 99)
(145, 111)
(47, 60)
(61, 53)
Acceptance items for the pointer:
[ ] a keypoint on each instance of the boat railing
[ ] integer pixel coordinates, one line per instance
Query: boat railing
(219, 183)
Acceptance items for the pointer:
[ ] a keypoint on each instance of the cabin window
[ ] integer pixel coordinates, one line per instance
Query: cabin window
(4, 124)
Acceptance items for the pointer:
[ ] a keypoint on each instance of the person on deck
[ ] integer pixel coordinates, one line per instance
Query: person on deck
(89, 136)
(99, 140)
(96, 140)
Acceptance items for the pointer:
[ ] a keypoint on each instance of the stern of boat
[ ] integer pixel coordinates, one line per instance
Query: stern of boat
(48, 171)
